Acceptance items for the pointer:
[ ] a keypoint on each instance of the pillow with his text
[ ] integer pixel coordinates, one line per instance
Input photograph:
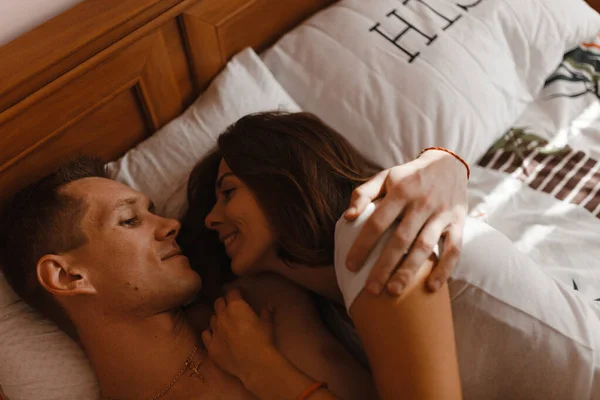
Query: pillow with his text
(395, 76)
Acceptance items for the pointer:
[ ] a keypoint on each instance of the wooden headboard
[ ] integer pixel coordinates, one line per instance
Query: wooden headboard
(106, 74)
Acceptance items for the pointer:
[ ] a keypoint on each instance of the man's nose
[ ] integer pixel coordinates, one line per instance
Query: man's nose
(169, 228)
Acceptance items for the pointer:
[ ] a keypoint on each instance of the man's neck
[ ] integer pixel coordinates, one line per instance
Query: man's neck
(137, 359)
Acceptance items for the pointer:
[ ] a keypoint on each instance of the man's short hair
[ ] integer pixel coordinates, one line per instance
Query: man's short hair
(39, 220)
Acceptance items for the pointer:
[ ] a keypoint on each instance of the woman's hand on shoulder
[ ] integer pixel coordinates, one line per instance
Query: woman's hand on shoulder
(428, 196)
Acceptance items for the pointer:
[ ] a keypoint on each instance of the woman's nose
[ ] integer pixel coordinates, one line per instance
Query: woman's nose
(213, 219)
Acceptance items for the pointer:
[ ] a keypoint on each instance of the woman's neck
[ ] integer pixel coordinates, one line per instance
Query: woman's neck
(321, 280)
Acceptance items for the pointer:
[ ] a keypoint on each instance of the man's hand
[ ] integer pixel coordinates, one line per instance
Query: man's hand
(237, 336)
(429, 198)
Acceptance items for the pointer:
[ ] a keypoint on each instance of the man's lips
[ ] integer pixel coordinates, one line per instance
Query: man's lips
(173, 253)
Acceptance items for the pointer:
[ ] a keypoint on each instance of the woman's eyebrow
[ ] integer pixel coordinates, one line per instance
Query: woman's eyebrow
(220, 180)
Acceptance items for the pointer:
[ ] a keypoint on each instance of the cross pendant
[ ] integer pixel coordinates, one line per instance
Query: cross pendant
(195, 370)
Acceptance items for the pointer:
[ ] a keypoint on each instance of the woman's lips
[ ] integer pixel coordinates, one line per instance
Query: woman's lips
(229, 239)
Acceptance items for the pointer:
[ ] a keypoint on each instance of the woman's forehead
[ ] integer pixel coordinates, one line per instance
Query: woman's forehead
(223, 167)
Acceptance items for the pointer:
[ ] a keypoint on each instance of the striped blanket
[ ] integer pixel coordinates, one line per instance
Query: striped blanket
(540, 183)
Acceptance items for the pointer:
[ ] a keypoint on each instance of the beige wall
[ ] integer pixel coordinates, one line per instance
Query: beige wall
(20, 16)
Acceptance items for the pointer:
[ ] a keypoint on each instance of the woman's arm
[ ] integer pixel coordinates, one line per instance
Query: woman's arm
(409, 341)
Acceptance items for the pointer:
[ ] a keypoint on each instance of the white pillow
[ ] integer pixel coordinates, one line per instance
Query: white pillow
(37, 360)
(398, 76)
(159, 166)
(520, 334)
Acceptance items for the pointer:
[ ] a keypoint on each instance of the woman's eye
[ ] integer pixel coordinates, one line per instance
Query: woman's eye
(129, 222)
(227, 193)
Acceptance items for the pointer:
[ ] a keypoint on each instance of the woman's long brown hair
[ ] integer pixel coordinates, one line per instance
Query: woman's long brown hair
(302, 173)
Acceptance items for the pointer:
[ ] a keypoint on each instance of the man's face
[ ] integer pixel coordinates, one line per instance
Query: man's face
(131, 256)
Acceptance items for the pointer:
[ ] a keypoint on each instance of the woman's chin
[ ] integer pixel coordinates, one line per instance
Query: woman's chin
(240, 268)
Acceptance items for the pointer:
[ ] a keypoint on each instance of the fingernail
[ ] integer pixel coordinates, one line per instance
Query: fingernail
(351, 210)
(374, 288)
(435, 285)
(396, 288)
(351, 265)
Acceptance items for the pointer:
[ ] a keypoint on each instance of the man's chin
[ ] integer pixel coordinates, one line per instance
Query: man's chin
(184, 299)
(194, 288)
(185, 290)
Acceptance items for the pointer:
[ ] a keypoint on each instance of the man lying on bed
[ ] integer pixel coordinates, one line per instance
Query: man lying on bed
(89, 253)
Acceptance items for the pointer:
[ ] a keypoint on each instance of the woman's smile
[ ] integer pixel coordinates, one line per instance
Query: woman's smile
(228, 240)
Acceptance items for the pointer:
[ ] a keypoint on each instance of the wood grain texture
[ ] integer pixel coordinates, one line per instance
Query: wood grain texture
(144, 65)
(122, 114)
(74, 115)
(106, 74)
(67, 40)
(225, 28)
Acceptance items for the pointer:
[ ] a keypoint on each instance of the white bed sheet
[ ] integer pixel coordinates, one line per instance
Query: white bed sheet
(20, 16)
(540, 184)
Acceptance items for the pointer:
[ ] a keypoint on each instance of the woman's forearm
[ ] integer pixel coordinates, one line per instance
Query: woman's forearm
(276, 378)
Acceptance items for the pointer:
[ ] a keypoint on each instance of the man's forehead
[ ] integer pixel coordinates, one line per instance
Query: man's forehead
(96, 186)
(101, 192)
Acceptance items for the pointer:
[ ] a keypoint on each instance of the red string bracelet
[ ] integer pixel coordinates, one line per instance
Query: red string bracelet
(459, 158)
(311, 389)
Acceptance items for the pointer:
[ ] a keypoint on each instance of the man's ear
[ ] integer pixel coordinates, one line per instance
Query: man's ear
(59, 277)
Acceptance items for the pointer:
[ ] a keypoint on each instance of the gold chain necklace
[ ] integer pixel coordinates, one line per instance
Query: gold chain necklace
(189, 363)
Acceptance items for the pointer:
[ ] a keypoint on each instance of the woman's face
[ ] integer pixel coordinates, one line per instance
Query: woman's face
(241, 224)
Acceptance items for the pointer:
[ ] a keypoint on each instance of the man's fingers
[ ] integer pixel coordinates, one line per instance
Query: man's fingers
(414, 219)
(383, 217)
(389, 259)
(418, 254)
(448, 259)
(364, 194)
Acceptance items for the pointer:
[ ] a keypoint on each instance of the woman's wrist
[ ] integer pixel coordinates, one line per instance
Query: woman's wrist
(261, 374)
(275, 377)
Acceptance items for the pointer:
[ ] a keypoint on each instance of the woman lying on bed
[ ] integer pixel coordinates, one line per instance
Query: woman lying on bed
(282, 182)
(277, 213)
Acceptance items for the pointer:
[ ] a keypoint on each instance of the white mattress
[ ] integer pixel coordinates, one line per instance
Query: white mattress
(540, 184)
(20, 16)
